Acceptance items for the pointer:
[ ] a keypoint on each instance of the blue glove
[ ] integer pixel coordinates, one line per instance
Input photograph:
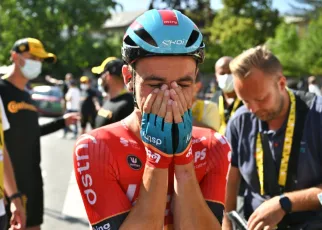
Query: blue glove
(183, 133)
(157, 138)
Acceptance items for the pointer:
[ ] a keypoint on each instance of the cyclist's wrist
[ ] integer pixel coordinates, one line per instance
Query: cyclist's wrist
(157, 159)
(184, 157)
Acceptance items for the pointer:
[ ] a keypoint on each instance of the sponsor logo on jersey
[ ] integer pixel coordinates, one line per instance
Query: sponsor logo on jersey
(134, 162)
(83, 168)
(103, 227)
(200, 155)
(189, 153)
(124, 142)
(198, 140)
(14, 106)
(153, 156)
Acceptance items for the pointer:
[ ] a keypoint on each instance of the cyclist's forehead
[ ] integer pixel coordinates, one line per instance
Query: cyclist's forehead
(167, 69)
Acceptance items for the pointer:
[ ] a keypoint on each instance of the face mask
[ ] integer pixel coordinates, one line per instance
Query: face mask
(31, 69)
(84, 86)
(226, 83)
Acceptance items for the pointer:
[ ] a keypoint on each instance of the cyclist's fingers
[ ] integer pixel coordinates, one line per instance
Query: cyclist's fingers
(179, 92)
(176, 113)
(147, 106)
(158, 100)
(175, 97)
(188, 97)
(163, 108)
(169, 115)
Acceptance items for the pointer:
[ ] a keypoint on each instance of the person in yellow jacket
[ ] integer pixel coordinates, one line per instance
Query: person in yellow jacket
(205, 113)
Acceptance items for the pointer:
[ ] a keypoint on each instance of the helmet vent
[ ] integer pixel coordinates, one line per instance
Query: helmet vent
(129, 41)
(193, 38)
(145, 36)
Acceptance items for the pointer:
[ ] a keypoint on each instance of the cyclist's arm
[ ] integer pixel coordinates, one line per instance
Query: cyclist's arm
(208, 198)
(106, 204)
(151, 204)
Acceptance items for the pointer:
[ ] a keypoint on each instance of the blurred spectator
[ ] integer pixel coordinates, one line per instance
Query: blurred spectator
(73, 99)
(225, 98)
(204, 112)
(89, 103)
(313, 86)
(292, 83)
(65, 84)
(23, 138)
(120, 103)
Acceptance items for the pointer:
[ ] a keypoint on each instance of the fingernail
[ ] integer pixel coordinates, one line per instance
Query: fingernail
(173, 92)
(156, 90)
(166, 93)
(170, 102)
(164, 87)
(174, 84)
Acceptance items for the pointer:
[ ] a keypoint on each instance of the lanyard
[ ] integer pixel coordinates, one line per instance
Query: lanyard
(223, 124)
(286, 149)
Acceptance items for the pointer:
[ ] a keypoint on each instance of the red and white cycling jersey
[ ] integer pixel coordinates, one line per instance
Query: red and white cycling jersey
(109, 164)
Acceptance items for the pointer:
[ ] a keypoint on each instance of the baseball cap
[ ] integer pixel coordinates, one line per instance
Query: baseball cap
(112, 65)
(84, 79)
(34, 47)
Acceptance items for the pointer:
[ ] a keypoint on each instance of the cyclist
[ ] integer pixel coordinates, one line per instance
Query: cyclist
(153, 170)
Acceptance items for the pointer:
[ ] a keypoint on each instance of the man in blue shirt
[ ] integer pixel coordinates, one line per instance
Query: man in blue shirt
(276, 143)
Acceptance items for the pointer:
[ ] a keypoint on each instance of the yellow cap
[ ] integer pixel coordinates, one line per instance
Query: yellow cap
(100, 69)
(34, 47)
(84, 79)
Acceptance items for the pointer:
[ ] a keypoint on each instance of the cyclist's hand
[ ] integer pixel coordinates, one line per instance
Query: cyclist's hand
(182, 125)
(156, 128)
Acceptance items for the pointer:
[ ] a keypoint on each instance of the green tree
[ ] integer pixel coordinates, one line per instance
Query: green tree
(286, 46)
(311, 46)
(198, 10)
(66, 27)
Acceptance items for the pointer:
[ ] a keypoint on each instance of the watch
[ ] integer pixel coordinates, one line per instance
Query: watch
(285, 203)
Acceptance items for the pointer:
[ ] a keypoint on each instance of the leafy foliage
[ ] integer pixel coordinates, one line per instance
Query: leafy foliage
(66, 28)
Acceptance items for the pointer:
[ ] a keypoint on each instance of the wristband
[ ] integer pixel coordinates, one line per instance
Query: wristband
(14, 196)
(157, 139)
(183, 133)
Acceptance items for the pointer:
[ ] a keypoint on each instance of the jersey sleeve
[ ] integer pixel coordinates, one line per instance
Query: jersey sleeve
(232, 137)
(211, 115)
(96, 173)
(213, 185)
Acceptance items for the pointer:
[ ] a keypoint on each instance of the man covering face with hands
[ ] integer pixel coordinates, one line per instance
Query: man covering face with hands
(154, 170)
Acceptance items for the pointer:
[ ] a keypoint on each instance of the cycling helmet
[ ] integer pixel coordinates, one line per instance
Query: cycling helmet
(162, 33)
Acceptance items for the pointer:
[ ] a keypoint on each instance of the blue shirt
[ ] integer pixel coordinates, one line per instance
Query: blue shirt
(242, 131)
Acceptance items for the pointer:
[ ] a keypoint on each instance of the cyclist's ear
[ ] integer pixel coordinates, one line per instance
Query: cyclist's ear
(127, 77)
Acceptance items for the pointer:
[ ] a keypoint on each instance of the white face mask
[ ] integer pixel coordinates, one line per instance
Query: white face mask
(31, 69)
(226, 83)
(84, 86)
